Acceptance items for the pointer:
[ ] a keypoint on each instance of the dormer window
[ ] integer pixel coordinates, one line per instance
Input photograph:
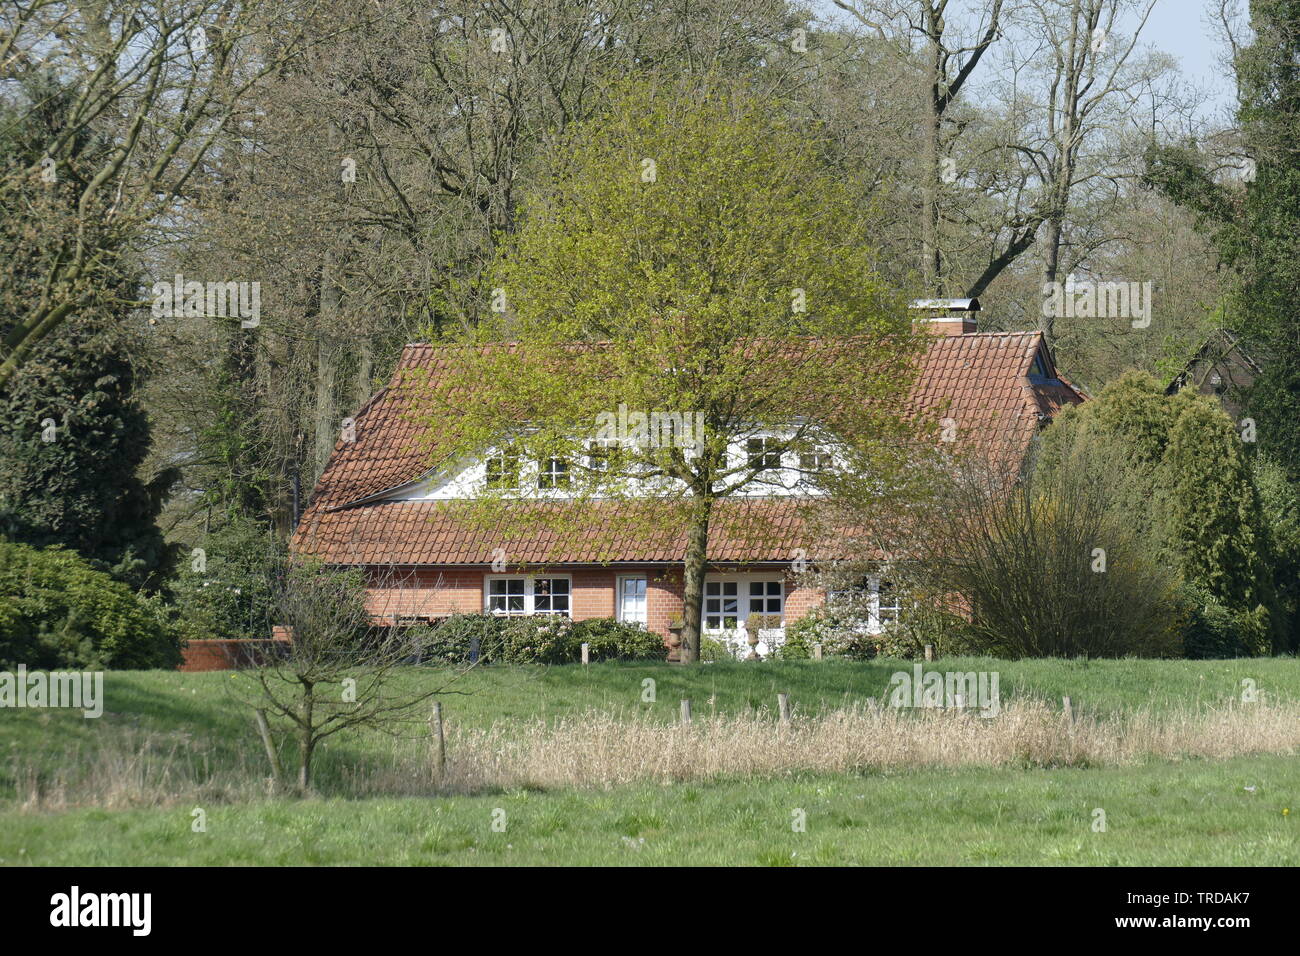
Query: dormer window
(554, 473)
(503, 472)
(763, 453)
(816, 459)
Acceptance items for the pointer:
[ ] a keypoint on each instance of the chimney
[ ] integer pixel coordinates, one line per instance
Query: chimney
(947, 316)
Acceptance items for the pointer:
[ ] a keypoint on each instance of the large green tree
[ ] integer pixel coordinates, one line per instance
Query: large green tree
(1255, 218)
(73, 436)
(686, 252)
(1182, 477)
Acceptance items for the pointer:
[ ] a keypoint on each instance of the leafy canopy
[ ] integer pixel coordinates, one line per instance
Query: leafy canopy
(685, 252)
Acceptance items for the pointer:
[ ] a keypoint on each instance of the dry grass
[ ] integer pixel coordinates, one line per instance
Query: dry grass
(598, 749)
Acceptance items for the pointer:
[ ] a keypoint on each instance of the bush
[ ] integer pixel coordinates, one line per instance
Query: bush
(450, 640)
(538, 640)
(839, 631)
(1215, 630)
(613, 640)
(231, 593)
(57, 612)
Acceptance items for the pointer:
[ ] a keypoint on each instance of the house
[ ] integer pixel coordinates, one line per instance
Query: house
(1224, 366)
(379, 506)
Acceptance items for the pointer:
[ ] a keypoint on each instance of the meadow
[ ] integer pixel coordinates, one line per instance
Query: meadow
(574, 765)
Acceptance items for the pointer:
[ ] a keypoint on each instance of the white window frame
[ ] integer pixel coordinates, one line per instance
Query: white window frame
(743, 597)
(871, 588)
(553, 474)
(530, 594)
(509, 465)
(875, 625)
(816, 460)
(764, 453)
(618, 598)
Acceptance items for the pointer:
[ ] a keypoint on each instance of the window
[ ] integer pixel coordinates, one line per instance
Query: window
(887, 603)
(816, 459)
(721, 605)
(528, 595)
(765, 597)
(763, 453)
(873, 600)
(507, 595)
(551, 596)
(631, 599)
(554, 473)
(729, 603)
(503, 472)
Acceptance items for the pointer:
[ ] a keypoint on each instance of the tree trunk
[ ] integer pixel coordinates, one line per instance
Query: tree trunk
(326, 411)
(697, 554)
(307, 744)
(931, 258)
(365, 371)
(306, 737)
(1051, 265)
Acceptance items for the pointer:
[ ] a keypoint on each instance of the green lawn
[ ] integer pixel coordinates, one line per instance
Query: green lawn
(1159, 814)
(196, 714)
(1188, 812)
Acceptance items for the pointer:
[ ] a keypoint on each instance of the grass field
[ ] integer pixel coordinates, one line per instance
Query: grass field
(1189, 811)
(1162, 814)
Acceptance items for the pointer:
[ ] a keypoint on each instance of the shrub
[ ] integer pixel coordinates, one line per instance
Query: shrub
(58, 612)
(1216, 630)
(611, 640)
(231, 592)
(838, 631)
(450, 640)
(538, 640)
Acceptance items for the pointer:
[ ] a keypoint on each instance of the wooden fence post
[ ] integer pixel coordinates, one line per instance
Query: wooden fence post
(929, 652)
(817, 652)
(437, 739)
(686, 711)
(264, 729)
(586, 654)
(1069, 710)
(783, 705)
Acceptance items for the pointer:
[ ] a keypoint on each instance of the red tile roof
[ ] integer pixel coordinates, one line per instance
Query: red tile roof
(981, 381)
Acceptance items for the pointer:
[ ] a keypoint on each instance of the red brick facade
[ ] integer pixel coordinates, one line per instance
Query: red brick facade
(437, 592)
(222, 655)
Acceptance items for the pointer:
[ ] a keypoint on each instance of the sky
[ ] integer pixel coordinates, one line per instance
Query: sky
(1178, 27)
(1181, 28)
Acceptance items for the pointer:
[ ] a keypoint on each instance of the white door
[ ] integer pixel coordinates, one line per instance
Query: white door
(728, 603)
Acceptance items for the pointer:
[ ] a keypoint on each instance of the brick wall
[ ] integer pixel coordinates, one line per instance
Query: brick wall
(221, 655)
(438, 592)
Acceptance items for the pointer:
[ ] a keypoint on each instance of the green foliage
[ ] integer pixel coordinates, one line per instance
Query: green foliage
(1279, 500)
(1215, 630)
(73, 436)
(838, 630)
(58, 612)
(1255, 226)
(538, 640)
(1181, 478)
(1213, 524)
(611, 640)
(231, 591)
